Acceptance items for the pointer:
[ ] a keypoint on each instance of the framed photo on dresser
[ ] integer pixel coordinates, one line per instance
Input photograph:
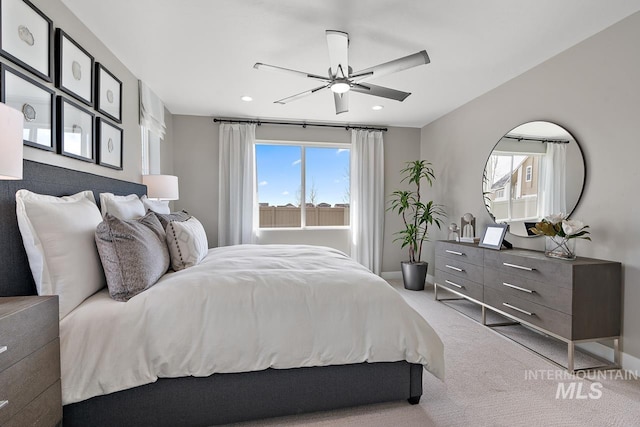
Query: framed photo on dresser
(108, 93)
(75, 131)
(35, 101)
(109, 144)
(74, 68)
(26, 35)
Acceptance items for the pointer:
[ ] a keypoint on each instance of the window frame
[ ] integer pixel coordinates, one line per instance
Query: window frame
(303, 183)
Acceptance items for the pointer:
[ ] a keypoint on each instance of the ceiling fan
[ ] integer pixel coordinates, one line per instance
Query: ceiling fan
(341, 78)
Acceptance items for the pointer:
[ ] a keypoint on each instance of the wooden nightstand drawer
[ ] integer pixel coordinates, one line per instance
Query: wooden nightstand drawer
(40, 412)
(25, 326)
(466, 252)
(24, 381)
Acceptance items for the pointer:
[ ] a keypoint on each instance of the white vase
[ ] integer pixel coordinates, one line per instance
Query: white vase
(560, 247)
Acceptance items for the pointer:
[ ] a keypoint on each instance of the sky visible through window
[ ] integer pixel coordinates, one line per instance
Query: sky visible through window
(279, 179)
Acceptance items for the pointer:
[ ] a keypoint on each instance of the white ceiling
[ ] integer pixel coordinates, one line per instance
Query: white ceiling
(198, 55)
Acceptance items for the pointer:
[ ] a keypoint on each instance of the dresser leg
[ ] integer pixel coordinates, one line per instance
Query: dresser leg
(484, 315)
(435, 291)
(616, 351)
(570, 356)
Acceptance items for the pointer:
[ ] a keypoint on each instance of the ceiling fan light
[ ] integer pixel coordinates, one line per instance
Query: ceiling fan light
(340, 87)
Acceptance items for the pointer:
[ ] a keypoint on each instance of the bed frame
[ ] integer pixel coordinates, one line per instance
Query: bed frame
(191, 401)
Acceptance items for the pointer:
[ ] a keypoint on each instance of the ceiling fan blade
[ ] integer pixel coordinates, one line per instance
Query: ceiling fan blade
(299, 95)
(381, 91)
(338, 42)
(261, 66)
(394, 66)
(342, 102)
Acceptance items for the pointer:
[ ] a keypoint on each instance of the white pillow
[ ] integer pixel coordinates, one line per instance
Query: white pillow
(157, 206)
(187, 243)
(58, 236)
(123, 207)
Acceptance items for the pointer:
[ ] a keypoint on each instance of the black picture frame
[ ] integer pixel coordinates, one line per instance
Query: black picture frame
(35, 101)
(108, 93)
(493, 236)
(75, 69)
(110, 144)
(20, 45)
(75, 118)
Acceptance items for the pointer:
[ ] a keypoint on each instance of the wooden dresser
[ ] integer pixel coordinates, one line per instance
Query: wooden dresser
(574, 301)
(29, 362)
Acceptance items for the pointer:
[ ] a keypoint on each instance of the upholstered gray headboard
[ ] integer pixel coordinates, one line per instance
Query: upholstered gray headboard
(15, 275)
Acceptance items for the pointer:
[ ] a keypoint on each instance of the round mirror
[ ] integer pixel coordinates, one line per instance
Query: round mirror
(535, 170)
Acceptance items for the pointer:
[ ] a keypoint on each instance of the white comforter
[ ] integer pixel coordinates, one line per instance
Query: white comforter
(244, 308)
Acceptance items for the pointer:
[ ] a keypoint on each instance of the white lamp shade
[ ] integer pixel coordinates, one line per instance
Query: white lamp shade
(163, 187)
(11, 125)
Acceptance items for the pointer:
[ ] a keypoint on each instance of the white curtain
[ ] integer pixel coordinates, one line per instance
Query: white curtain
(237, 207)
(554, 180)
(151, 110)
(367, 198)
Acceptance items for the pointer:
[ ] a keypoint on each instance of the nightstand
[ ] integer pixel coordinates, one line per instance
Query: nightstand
(30, 392)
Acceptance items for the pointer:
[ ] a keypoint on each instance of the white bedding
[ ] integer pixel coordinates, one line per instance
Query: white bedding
(244, 308)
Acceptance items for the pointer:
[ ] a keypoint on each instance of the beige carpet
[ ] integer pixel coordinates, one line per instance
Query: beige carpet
(486, 385)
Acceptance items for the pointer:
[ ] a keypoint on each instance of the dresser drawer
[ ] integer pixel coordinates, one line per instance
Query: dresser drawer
(460, 268)
(549, 295)
(25, 380)
(458, 284)
(459, 251)
(44, 411)
(531, 265)
(537, 315)
(26, 326)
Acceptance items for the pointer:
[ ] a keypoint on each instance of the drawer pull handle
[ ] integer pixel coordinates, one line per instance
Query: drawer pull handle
(454, 252)
(518, 288)
(453, 284)
(454, 268)
(3, 349)
(519, 267)
(3, 403)
(518, 309)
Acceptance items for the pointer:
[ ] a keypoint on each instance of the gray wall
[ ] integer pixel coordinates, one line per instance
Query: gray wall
(593, 90)
(64, 19)
(196, 160)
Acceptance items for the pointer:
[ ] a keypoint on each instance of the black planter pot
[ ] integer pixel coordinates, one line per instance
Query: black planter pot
(414, 275)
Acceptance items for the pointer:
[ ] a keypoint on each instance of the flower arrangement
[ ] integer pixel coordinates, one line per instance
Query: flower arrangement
(560, 232)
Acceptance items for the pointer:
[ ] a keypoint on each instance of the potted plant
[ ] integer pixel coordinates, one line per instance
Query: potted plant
(417, 216)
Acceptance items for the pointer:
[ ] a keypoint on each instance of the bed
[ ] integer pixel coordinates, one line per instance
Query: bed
(334, 367)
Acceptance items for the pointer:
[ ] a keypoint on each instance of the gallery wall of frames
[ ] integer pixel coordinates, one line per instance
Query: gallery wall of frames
(72, 104)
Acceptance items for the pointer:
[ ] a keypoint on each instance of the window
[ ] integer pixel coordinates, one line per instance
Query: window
(529, 173)
(303, 185)
(150, 152)
(509, 199)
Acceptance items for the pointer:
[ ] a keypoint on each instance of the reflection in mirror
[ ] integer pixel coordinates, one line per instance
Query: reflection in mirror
(535, 170)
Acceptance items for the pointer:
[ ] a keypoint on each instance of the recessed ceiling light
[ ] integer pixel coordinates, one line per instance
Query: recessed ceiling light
(247, 98)
(377, 107)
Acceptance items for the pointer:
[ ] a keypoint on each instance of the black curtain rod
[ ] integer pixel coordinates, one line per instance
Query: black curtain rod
(303, 124)
(543, 140)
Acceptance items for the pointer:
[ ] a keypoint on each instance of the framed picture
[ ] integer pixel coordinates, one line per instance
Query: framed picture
(108, 93)
(74, 68)
(493, 236)
(109, 144)
(75, 131)
(36, 103)
(25, 37)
